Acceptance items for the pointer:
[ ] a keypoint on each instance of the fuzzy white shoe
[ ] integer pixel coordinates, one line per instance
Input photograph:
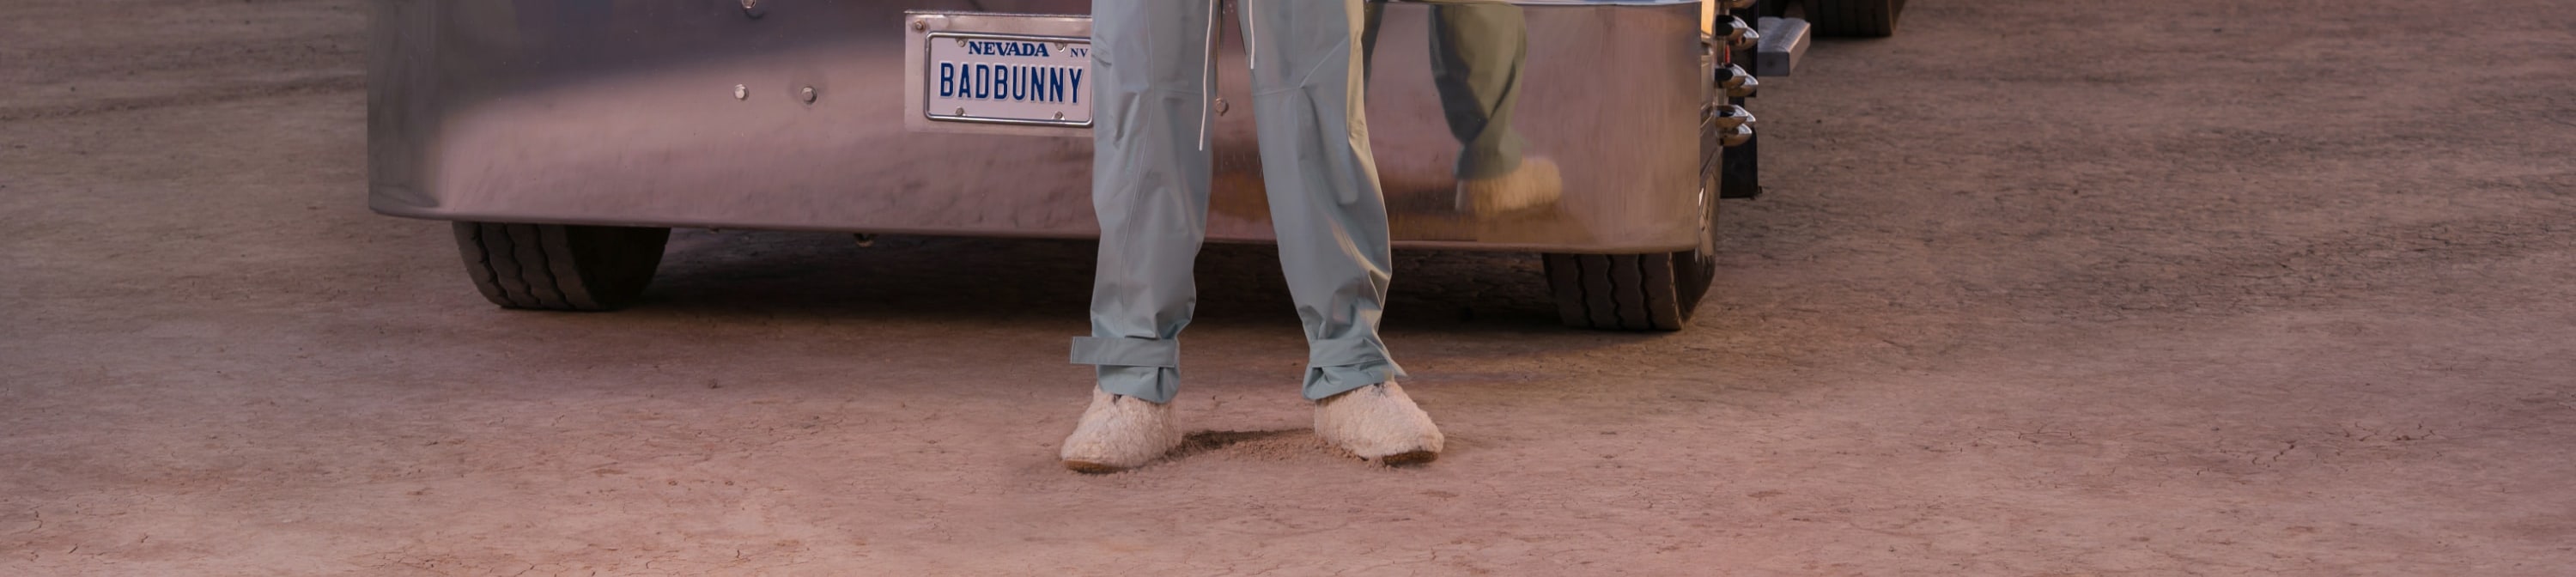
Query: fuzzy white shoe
(1535, 185)
(1120, 432)
(1378, 422)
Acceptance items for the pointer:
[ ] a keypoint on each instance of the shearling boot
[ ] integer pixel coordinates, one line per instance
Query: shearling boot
(1535, 185)
(1120, 432)
(1378, 422)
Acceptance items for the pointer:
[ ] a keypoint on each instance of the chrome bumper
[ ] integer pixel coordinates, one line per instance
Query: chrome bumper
(793, 116)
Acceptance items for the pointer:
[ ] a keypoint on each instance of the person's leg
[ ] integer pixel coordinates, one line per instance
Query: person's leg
(1325, 202)
(1150, 191)
(1330, 215)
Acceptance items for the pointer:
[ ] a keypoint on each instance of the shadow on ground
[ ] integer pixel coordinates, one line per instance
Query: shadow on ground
(932, 278)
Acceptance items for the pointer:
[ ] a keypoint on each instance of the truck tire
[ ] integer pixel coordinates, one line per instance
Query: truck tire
(560, 267)
(1634, 292)
(1854, 18)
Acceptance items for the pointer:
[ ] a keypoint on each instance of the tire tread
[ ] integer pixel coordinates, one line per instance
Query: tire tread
(505, 267)
(1630, 292)
(559, 267)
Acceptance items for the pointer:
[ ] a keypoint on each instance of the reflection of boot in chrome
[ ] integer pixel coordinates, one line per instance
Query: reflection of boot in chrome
(1378, 422)
(1120, 432)
(1533, 186)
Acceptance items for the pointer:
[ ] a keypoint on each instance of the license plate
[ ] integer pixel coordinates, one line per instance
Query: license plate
(1007, 79)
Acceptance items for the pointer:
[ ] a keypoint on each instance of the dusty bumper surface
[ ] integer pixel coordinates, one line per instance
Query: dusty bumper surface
(539, 113)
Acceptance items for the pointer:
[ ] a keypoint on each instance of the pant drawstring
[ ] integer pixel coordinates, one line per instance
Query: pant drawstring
(1207, 73)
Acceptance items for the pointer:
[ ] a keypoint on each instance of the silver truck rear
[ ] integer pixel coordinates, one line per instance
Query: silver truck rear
(509, 116)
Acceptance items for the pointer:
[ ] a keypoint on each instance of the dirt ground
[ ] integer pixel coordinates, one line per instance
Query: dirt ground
(2042, 287)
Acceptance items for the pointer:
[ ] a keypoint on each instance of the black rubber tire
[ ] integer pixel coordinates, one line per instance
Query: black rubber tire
(560, 267)
(1854, 18)
(1628, 292)
(1634, 292)
(1743, 174)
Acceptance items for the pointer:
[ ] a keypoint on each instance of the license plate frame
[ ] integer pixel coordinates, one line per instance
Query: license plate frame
(1005, 78)
(920, 70)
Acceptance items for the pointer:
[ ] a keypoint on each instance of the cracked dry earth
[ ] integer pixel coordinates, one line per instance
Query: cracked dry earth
(2043, 287)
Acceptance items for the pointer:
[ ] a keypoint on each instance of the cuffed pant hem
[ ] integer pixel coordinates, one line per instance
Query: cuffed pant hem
(1147, 369)
(1324, 382)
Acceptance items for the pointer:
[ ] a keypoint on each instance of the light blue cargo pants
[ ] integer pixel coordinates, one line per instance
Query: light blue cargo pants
(1150, 179)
